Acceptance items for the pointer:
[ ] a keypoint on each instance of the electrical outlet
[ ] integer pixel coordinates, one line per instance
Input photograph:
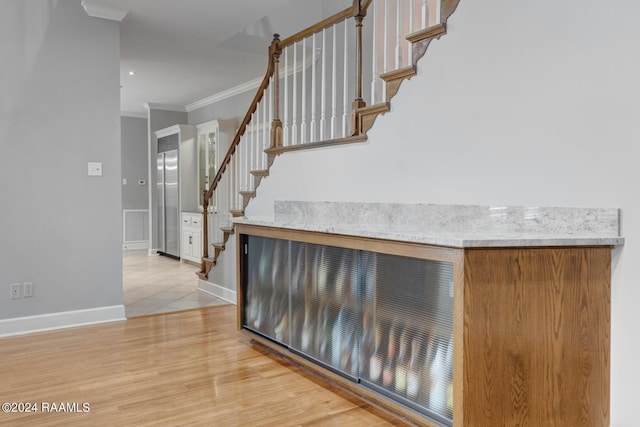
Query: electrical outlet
(16, 291)
(27, 289)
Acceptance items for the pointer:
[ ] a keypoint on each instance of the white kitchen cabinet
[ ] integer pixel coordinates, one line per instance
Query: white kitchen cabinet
(191, 237)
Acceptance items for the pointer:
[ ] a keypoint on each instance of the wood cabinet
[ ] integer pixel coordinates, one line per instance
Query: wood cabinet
(191, 237)
(465, 336)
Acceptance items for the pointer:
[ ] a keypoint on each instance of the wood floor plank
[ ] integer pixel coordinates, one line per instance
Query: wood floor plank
(186, 368)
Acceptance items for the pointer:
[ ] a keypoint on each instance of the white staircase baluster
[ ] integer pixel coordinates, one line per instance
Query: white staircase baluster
(345, 84)
(239, 154)
(236, 175)
(252, 148)
(425, 14)
(246, 166)
(236, 168)
(398, 52)
(285, 125)
(323, 87)
(224, 199)
(270, 102)
(412, 12)
(385, 47)
(334, 82)
(312, 124)
(374, 56)
(252, 139)
(231, 195)
(303, 116)
(438, 7)
(294, 124)
(242, 166)
(385, 38)
(265, 132)
(234, 192)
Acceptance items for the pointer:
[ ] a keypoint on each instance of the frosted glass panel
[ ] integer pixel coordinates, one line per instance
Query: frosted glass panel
(326, 305)
(266, 303)
(407, 346)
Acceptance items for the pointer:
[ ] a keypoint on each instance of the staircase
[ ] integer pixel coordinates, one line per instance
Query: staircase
(313, 95)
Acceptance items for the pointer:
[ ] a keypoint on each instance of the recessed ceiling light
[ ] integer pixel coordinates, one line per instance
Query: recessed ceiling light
(132, 73)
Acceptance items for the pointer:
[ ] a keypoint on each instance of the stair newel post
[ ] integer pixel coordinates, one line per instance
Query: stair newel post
(360, 11)
(276, 124)
(205, 228)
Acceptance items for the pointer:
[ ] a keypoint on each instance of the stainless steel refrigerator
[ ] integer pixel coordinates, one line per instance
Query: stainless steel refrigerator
(168, 208)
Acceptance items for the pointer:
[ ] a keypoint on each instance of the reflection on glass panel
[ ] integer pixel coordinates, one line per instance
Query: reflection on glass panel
(267, 291)
(202, 166)
(326, 302)
(407, 345)
(384, 320)
(212, 159)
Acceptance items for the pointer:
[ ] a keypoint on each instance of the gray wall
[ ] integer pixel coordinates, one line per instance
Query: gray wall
(135, 165)
(59, 109)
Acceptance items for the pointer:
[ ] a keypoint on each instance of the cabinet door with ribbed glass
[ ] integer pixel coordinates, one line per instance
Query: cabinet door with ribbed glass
(407, 332)
(266, 287)
(325, 304)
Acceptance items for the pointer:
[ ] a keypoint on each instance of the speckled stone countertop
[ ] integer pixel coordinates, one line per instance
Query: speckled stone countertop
(461, 226)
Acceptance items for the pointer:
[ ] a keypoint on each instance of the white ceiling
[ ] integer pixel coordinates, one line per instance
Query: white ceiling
(185, 50)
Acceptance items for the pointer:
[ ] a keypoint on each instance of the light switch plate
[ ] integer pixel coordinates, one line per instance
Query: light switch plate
(95, 168)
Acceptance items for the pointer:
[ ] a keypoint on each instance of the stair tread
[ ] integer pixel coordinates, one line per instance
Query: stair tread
(375, 108)
(318, 144)
(400, 73)
(433, 31)
(260, 172)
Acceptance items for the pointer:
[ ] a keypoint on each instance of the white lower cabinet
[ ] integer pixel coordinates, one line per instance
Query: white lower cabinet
(191, 248)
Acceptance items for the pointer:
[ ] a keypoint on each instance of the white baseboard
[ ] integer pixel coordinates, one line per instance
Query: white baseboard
(218, 291)
(135, 245)
(64, 319)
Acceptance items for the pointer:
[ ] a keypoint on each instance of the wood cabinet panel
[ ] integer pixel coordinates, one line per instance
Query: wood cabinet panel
(536, 337)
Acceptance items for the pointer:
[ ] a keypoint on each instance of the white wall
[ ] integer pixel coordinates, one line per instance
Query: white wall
(59, 110)
(521, 103)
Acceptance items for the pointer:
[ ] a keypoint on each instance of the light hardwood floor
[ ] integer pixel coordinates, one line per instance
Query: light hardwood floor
(188, 368)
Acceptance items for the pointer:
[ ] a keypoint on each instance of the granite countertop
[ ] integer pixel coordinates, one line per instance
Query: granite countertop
(460, 226)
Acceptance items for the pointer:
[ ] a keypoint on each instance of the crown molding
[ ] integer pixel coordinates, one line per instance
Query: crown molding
(166, 107)
(134, 114)
(110, 13)
(252, 84)
(225, 94)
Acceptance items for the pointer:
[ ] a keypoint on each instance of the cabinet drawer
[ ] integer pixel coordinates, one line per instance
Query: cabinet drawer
(196, 221)
(186, 221)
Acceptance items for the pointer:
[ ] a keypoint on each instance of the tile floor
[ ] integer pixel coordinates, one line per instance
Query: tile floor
(157, 284)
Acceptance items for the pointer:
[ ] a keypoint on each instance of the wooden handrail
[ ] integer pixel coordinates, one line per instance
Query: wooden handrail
(359, 7)
(358, 11)
(232, 148)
